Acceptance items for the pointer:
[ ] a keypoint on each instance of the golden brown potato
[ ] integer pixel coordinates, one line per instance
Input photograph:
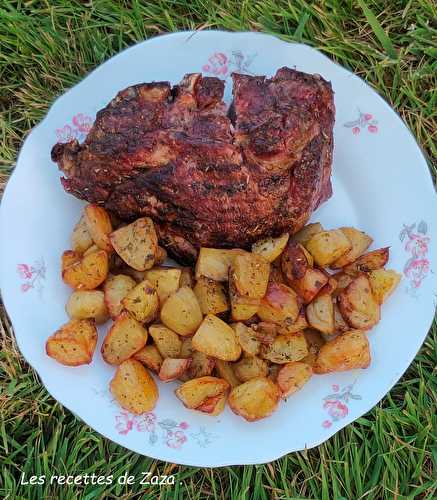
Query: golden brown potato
(276, 275)
(150, 357)
(161, 256)
(68, 258)
(181, 312)
(214, 263)
(288, 327)
(292, 377)
(246, 337)
(357, 304)
(80, 238)
(343, 280)
(310, 284)
(136, 243)
(307, 232)
(250, 367)
(294, 262)
(197, 394)
(116, 288)
(249, 274)
(225, 370)
(133, 387)
(255, 399)
(285, 348)
(125, 337)
(265, 332)
(187, 278)
(274, 371)
(91, 249)
(360, 242)
(142, 302)
(168, 342)
(87, 304)
(217, 339)
(383, 283)
(213, 406)
(211, 295)
(279, 304)
(74, 343)
(340, 325)
(87, 273)
(243, 308)
(270, 248)
(376, 259)
(165, 280)
(99, 226)
(314, 342)
(320, 313)
(201, 364)
(172, 368)
(347, 351)
(326, 247)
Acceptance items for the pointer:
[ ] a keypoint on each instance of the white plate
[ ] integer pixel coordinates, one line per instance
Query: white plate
(381, 184)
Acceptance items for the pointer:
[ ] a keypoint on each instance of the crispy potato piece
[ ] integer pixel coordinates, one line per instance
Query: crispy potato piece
(199, 391)
(214, 263)
(173, 368)
(136, 243)
(211, 295)
(376, 259)
(343, 280)
(314, 342)
(346, 352)
(142, 302)
(265, 332)
(150, 357)
(255, 399)
(340, 325)
(99, 226)
(243, 308)
(217, 339)
(357, 304)
(201, 364)
(383, 283)
(84, 304)
(270, 248)
(68, 258)
(161, 256)
(285, 348)
(181, 312)
(326, 247)
(133, 387)
(80, 238)
(116, 288)
(294, 261)
(288, 327)
(310, 284)
(360, 242)
(213, 406)
(125, 337)
(249, 274)
(87, 273)
(225, 370)
(187, 278)
(293, 376)
(307, 232)
(330, 286)
(246, 337)
(273, 371)
(165, 280)
(93, 248)
(250, 367)
(168, 342)
(276, 275)
(279, 304)
(74, 343)
(320, 313)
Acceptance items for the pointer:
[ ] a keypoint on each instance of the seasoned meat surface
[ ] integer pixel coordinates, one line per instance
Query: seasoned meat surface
(206, 175)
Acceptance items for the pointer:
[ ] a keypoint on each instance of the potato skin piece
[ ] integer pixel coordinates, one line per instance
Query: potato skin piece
(255, 399)
(216, 338)
(133, 387)
(294, 262)
(292, 377)
(348, 351)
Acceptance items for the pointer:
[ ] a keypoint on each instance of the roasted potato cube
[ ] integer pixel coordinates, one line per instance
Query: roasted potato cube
(357, 304)
(93, 248)
(197, 394)
(74, 343)
(343, 280)
(314, 342)
(201, 364)
(243, 308)
(116, 288)
(211, 295)
(320, 313)
(165, 280)
(285, 348)
(360, 242)
(224, 370)
(168, 342)
(142, 302)
(274, 371)
(289, 327)
(294, 261)
(87, 273)
(383, 283)
(136, 243)
(376, 259)
(348, 351)
(310, 284)
(276, 275)
(213, 406)
(125, 337)
(279, 304)
(249, 274)
(340, 325)
(187, 278)
(172, 368)
(270, 248)
(217, 339)
(68, 258)
(133, 387)
(292, 377)
(326, 247)
(181, 312)
(214, 263)
(246, 337)
(150, 357)
(81, 239)
(99, 226)
(265, 332)
(255, 399)
(307, 232)
(87, 304)
(250, 367)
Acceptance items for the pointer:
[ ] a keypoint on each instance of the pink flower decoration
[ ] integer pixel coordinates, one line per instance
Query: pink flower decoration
(183, 425)
(82, 122)
(206, 68)
(66, 134)
(368, 116)
(24, 271)
(26, 286)
(373, 129)
(146, 422)
(335, 387)
(416, 271)
(175, 440)
(356, 130)
(336, 409)
(326, 424)
(417, 245)
(217, 64)
(124, 423)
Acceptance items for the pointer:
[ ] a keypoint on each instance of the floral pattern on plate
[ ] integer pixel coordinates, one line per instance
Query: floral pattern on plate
(336, 403)
(365, 121)
(32, 276)
(222, 65)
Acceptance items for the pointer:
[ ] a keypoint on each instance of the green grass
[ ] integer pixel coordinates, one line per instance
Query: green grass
(45, 47)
